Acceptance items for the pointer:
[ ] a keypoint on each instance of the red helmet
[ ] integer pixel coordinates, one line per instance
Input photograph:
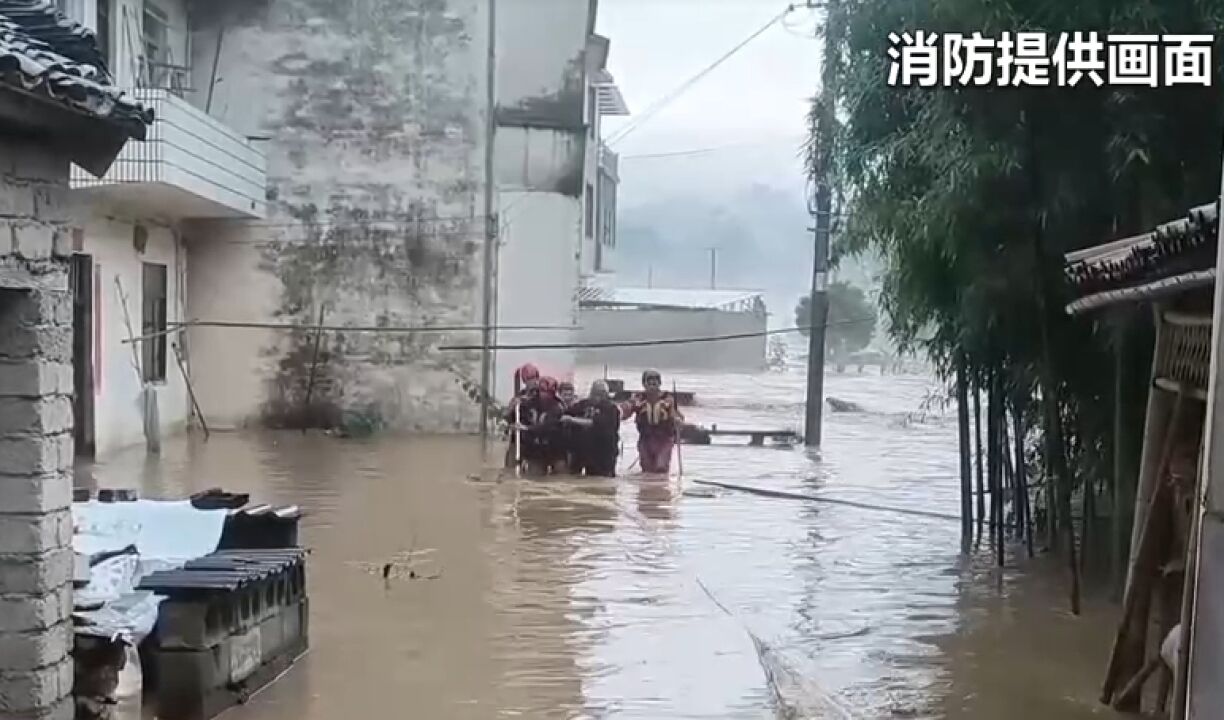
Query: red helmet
(529, 372)
(548, 386)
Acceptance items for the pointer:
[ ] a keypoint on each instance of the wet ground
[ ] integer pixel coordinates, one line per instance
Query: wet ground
(642, 598)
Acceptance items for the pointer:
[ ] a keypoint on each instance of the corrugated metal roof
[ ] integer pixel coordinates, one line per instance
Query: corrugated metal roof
(44, 53)
(688, 298)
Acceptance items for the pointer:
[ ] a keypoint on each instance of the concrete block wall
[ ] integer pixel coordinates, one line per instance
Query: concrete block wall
(35, 435)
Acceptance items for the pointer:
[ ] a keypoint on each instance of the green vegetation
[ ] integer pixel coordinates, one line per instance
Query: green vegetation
(971, 196)
(852, 319)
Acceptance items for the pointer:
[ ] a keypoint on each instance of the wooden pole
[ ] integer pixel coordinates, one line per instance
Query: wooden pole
(195, 404)
(1130, 642)
(1180, 674)
(148, 404)
(676, 434)
(1118, 549)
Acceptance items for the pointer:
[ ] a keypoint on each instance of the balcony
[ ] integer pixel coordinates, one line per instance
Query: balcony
(191, 166)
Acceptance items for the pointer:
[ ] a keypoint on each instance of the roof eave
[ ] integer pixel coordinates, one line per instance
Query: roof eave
(91, 142)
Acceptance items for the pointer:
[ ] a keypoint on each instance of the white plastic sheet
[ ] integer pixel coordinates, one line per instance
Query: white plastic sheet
(166, 535)
(163, 532)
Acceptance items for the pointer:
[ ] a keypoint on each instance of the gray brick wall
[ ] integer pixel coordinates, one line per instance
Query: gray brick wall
(35, 436)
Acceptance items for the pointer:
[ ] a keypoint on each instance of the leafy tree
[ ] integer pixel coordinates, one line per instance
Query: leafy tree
(972, 195)
(852, 319)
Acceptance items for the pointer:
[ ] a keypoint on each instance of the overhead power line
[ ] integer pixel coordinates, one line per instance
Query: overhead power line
(710, 149)
(688, 84)
(649, 343)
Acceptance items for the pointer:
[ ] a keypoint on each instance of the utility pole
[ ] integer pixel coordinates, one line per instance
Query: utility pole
(713, 268)
(818, 307)
(490, 239)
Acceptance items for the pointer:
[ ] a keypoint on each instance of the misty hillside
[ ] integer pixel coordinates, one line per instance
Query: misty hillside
(761, 233)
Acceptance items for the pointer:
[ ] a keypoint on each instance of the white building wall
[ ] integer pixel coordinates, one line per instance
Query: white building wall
(220, 258)
(118, 412)
(542, 159)
(538, 279)
(629, 325)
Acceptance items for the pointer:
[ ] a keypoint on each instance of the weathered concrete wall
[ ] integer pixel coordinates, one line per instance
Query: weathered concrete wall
(375, 112)
(605, 325)
(118, 409)
(35, 435)
(541, 77)
(538, 280)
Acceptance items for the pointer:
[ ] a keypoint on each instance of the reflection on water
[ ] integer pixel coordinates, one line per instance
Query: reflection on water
(576, 598)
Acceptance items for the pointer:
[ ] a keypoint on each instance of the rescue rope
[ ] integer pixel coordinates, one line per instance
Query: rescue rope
(775, 667)
(784, 495)
(178, 327)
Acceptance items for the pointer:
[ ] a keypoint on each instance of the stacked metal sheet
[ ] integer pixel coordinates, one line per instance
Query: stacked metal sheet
(231, 623)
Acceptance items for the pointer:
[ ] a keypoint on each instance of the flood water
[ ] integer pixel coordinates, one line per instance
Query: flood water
(571, 598)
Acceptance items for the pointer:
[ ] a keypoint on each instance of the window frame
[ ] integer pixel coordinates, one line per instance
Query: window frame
(154, 319)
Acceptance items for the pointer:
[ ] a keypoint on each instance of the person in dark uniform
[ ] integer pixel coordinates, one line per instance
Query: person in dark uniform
(540, 420)
(596, 421)
(526, 383)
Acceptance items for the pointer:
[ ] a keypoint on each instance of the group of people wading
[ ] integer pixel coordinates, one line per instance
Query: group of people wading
(555, 433)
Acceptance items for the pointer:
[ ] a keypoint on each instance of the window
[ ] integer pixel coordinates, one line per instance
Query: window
(590, 210)
(592, 110)
(104, 30)
(153, 320)
(156, 45)
(72, 9)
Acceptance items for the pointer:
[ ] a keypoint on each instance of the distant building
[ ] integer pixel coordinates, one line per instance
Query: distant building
(626, 315)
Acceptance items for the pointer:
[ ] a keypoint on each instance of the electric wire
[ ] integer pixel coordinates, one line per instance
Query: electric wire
(650, 343)
(684, 87)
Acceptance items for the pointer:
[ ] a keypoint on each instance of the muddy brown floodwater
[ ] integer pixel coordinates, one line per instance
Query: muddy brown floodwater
(588, 599)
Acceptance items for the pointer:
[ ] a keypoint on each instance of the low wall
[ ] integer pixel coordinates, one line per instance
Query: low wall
(605, 325)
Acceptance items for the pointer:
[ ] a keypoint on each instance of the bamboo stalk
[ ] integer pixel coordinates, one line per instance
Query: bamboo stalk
(966, 461)
(1025, 519)
(977, 433)
(1087, 515)
(995, 469)
(1116, 534)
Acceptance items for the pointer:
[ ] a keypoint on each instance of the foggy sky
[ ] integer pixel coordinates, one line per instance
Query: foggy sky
(755, 102)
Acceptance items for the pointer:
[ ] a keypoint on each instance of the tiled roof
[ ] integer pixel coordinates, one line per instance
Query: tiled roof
(1175, 257)
(45, 54)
